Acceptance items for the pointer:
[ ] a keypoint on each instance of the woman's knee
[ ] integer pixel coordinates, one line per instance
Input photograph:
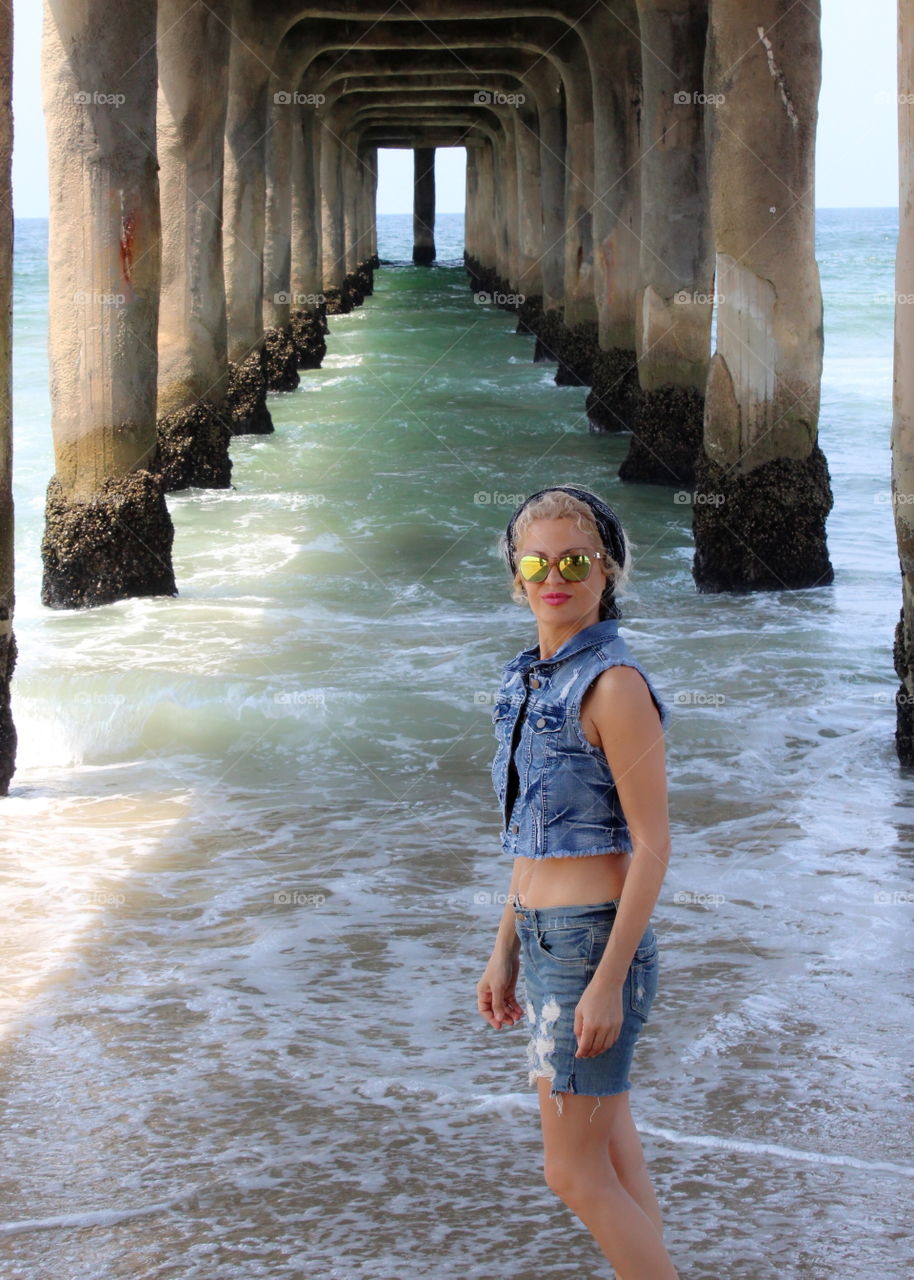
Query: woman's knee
(574, 1180)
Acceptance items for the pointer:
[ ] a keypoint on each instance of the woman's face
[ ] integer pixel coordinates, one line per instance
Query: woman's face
(555, 601)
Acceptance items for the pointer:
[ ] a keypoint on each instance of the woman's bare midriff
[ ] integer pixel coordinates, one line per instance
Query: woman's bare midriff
(569, 882)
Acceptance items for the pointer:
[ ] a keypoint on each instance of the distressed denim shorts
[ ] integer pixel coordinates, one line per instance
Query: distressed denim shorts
(560, 950)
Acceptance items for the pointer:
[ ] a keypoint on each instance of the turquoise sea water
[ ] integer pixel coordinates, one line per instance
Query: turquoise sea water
(250, 871)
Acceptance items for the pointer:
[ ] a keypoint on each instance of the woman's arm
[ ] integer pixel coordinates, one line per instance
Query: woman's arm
(495, 991)
(628, 725)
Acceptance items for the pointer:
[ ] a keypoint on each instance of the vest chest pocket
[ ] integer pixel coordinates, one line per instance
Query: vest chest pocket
(546, 719)
(503, 714)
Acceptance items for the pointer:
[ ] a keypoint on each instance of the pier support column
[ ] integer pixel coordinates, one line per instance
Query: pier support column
(487, 225)
(673, 311)
(373, 207)
(903, 393)
(356, 282)
(504, 190)
(364, 190)
(527, 91)
(7, 580)
(281, 360)
(108, 534)
(551, 118)
(579, 301)
(471, 206)
(550, 103)
(570, 336)
(529, 205)
(246, 128)
(366, 214)
(508, 181)
(479, 247)
(333, 254)
(614, 57)
(306, 307)
(423, 206)
(762, 484)
(193, 426)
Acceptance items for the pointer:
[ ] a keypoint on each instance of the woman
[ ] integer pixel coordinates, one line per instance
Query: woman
(580, 774)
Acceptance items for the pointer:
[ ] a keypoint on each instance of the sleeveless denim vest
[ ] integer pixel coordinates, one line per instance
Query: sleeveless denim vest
(563, 800)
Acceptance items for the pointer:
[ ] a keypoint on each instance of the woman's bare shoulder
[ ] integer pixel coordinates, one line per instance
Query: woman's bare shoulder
(620, 682)
(616, 697)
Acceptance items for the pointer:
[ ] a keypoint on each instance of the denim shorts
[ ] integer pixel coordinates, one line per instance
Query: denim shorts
(560, 950)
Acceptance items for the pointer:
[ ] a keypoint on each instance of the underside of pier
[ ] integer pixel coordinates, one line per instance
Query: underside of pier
(635, 171)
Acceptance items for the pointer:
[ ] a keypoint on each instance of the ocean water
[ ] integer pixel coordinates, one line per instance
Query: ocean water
(250, 872)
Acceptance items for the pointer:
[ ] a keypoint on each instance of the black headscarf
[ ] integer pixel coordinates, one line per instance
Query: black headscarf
(610, 533)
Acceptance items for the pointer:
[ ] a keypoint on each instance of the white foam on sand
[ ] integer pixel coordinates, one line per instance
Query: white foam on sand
(91, 1217)
(510, 1103)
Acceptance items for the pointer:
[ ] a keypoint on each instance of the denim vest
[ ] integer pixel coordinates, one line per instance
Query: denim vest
(563, 800)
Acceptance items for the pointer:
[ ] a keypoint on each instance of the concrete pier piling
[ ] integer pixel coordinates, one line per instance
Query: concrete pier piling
(673, 299)
(601, 208)
(108, 533)
(760, 461)
(194, 424)
(424, 206)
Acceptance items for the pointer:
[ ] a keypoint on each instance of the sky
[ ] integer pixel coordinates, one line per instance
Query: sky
(856, 143)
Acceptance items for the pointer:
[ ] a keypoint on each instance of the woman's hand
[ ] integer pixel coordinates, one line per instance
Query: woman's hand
(495, 998)
(598, 1017)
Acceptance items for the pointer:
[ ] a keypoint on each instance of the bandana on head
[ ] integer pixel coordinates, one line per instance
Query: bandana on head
(607, 523)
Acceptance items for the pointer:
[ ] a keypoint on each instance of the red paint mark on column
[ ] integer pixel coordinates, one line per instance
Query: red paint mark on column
(128, 228)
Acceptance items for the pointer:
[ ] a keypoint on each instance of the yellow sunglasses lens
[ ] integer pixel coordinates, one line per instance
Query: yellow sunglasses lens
(574, 568)
(533, 568)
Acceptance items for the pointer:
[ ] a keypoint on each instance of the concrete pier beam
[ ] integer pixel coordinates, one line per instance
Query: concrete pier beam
(193, 424)
(108, 533)
(423, 206)
(7, 578)
(490, 32)
(903, 394)
(762, 484)
(246, 127)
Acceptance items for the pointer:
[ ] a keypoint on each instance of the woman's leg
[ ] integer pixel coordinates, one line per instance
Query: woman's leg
(578, 1168)
(627, 1156)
